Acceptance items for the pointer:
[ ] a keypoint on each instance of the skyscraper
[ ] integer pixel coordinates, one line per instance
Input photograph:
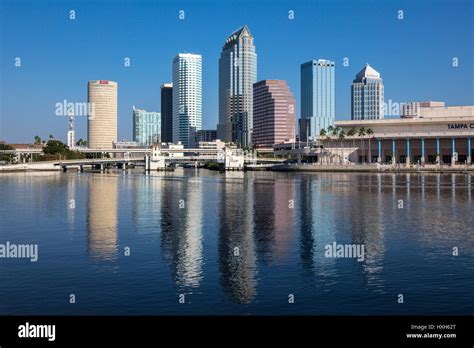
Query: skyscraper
(237, 74)
(367, 95)
(167, 112)
(318, 104)
(206, 135)
(187, 98)
(146, 127)
(102, 123)
(274, 113)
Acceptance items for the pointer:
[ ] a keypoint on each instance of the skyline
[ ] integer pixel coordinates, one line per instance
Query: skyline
(400, 50)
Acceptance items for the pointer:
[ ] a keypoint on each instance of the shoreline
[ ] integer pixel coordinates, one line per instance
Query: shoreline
(314, 168)
(370, 168)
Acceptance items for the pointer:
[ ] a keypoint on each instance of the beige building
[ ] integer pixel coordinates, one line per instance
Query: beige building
(438, 135)
(102, 119)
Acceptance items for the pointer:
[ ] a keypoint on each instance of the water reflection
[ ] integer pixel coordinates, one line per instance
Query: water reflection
(237, 259)
(181, 229)
(306, 220)
(275, 218)
(71, 202)
(368, 219)
(260, 214)
(102, 217)
(147, 202)
(230, 237)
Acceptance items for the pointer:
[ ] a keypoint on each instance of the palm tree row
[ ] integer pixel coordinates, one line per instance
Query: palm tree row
(337, 132)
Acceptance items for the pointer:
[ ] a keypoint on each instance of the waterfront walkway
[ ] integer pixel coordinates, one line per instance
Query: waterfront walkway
(374, 168)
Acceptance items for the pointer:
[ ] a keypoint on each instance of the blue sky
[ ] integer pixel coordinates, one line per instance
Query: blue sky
(59, 55)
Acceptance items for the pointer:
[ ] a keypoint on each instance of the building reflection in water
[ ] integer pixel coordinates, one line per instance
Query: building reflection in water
(181, 229)
(453, 189)
(445, 205)
(368, 218)
(71, 201)
(236, 249)
(469, 189)
(346, 209)
(274, 218)
(102, 216)
(146, 204)
(321, 215)
(306, 219)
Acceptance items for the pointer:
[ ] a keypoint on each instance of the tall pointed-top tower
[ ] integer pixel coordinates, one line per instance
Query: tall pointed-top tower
(367, 95)
(237, 74)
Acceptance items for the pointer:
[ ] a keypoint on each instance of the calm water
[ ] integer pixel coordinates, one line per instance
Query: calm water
(182, 229)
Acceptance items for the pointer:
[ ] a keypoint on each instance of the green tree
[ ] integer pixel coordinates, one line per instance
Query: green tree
(37, 140)
(362, 134)
(342, 136)
(322, 134)
(81, 142)
(351, 133)
(57, 149)
(370, 132)
(51, 137)
(7, 157)
(329, 133)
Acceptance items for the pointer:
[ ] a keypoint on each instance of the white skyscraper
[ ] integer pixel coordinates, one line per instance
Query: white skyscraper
(187, 98)
(367, 95)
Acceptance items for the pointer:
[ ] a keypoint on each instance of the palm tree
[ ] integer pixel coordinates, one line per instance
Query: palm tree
(351, 134)
(361, 134)
(51, 137)
(330, 131)
(342, 136)
(322, 134)
(370, 132)
(37, 140)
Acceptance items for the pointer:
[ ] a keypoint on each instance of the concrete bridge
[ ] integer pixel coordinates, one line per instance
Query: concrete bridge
(99, 163)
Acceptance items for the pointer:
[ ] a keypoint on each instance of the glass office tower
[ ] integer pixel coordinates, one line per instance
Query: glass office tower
(146, 127)
(318, 104)
(237, 74)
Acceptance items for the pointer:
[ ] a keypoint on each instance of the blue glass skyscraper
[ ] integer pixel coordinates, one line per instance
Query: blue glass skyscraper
(146, 127)
(318, 105)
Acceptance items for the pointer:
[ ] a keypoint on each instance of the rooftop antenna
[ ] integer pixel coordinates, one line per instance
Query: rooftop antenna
(70, 130)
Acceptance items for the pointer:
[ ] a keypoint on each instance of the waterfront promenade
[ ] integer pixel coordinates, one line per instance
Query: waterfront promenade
(283, 167)
(371, 168)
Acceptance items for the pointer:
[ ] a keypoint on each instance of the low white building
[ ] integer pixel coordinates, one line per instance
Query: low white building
(171, 149)
(212, 145)
(233, 158)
